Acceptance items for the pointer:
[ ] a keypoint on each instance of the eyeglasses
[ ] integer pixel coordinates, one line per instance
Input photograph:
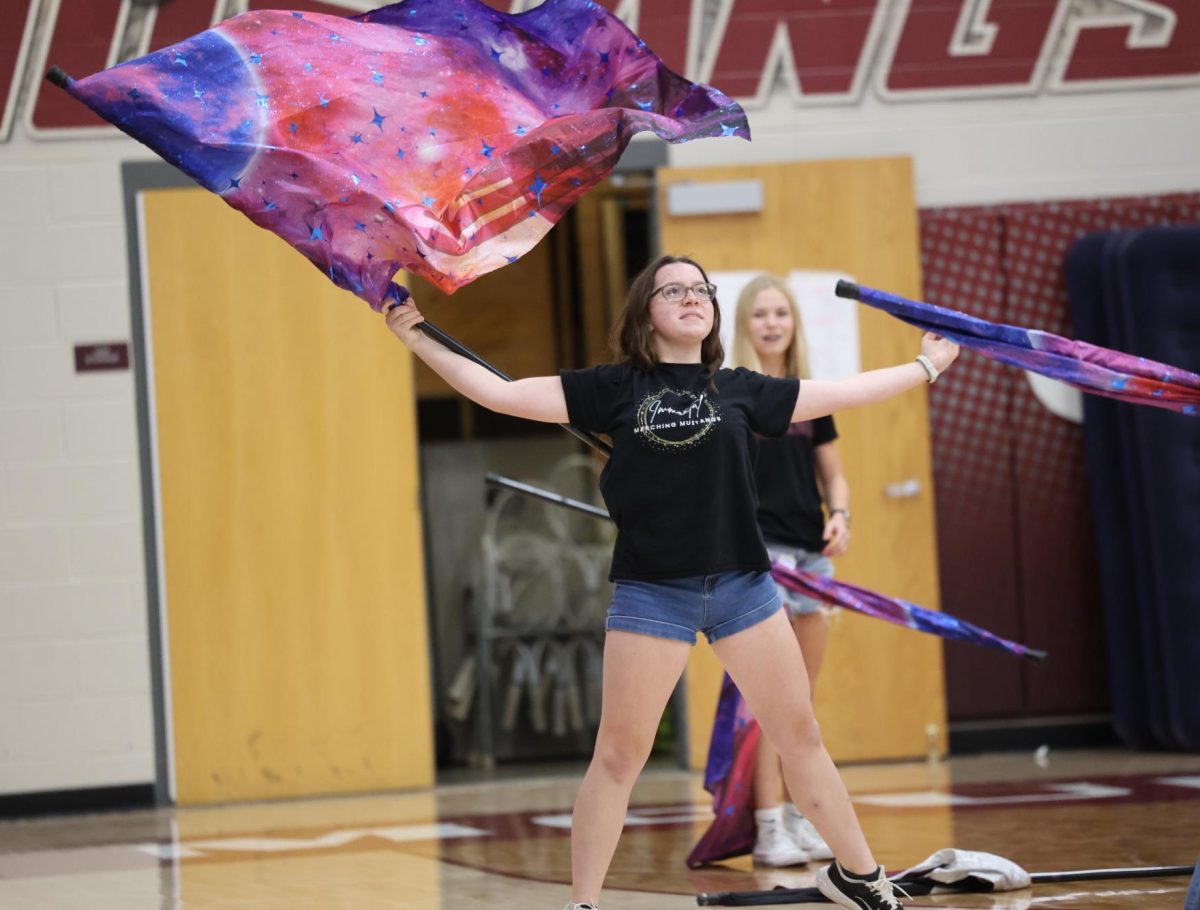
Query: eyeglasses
(676, 293)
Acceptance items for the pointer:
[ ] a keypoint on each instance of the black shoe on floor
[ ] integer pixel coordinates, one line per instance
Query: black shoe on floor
(857, 894)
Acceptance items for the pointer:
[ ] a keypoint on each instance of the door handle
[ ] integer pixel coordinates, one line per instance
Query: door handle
(904, 489)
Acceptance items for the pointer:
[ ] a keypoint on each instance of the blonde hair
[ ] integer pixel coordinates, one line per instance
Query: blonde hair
(795, 358)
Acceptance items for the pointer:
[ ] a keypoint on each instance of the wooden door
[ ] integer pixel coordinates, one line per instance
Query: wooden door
(290, 551)
(881, 692)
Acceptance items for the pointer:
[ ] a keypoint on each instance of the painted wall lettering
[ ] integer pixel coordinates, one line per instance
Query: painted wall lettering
(821, 47)
(974, 47)
(823, 52)
(1151, 44)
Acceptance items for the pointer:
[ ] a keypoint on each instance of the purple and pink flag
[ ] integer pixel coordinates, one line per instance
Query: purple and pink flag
(729, 773)
(441, 137)
(896, 611)
(1089, 367)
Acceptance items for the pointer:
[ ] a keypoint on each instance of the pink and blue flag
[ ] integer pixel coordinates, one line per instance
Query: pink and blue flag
(729, 777)
(729, 773)
(1088, 367)
(896, 611)
(441, 137)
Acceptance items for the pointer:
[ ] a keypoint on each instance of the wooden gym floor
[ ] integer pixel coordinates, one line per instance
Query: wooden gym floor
(504, 843)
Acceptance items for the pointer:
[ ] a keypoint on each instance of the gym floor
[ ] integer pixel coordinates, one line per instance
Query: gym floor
(504, 842)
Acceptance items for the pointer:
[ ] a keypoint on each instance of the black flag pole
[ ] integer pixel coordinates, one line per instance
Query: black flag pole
(921, 886)
(453, 344)
(495, 480)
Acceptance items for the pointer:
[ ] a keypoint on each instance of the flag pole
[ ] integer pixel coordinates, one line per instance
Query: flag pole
(495, 480)
(451, 343)
(921, 886)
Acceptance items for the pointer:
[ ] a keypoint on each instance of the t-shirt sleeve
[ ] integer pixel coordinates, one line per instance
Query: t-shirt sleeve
(824, 431)
(593, 395)
(772, 402)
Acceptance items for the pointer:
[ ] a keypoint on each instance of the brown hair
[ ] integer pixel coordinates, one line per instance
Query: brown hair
(795, 358)
(631, 336)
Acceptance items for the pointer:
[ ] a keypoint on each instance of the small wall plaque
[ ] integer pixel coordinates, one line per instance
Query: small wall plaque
(112, 355)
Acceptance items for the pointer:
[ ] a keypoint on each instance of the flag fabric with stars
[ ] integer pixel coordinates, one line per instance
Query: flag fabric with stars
(1088, 367)
(892, 609)
(441, 137)
(733, 747)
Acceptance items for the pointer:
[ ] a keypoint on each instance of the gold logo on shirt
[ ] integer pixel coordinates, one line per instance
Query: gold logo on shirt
(673, 420)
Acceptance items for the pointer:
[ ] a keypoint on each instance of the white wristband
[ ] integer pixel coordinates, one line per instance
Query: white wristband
(930, 370)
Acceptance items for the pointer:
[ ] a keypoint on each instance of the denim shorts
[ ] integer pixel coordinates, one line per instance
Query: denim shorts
(796, 558)
(678, 608)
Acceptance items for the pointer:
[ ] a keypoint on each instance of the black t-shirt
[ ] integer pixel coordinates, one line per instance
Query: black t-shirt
(680, 482)
(789, 502)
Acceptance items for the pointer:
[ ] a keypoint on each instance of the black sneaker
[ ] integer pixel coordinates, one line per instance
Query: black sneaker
(872, 894)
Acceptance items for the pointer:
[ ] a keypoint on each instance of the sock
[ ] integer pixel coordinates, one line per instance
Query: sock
(772, 816)
(792, 812)
(855, 877)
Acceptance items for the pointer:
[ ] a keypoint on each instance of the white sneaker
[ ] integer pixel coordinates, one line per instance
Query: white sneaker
(804, 834)
(775, 847)
(581, 907)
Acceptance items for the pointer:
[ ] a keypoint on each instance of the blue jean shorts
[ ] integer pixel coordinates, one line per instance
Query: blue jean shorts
(678, 608)
(807, 561)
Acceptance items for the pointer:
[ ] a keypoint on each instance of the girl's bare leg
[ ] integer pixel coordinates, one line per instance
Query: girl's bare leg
(640, 672)
(812, 632)
(763, 661)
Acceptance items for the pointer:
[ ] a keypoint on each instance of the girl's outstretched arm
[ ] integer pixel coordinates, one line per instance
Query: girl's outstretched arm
(539, 398)
(836, 491)
(820, 397)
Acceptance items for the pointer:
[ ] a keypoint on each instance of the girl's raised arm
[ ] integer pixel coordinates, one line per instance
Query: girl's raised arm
(538, 398)
(820, 397)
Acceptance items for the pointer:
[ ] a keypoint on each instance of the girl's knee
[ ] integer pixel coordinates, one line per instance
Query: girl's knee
(620, 758)
(799, 732)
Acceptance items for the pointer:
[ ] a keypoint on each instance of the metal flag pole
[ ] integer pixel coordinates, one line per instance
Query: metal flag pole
(922, 886)
(495, 480)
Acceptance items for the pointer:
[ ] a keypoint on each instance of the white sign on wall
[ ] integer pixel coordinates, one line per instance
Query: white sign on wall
(830, 322)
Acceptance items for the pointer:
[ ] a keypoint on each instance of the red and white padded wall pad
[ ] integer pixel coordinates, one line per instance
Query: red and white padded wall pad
(1015, 541)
